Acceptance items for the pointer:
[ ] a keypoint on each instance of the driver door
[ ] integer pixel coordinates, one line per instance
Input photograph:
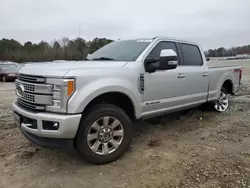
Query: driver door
(163, 88)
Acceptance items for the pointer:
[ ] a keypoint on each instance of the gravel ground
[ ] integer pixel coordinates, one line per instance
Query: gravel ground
(196, 149)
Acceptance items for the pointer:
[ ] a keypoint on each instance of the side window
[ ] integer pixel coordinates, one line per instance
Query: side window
(155, 53)
(191, 55)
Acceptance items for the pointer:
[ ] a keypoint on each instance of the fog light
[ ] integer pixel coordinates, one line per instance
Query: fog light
(50, 125)
(56, 125)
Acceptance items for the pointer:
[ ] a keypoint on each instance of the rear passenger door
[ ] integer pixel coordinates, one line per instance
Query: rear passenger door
(195, 75)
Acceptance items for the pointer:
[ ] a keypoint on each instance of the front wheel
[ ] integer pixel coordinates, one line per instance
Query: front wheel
(222, 103)
(104, 135)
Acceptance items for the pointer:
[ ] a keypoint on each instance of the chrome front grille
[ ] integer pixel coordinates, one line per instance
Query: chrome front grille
(29, 97)
(31, 78)
(29, 87)
(29, 105)
(35, 87)
(33, 92)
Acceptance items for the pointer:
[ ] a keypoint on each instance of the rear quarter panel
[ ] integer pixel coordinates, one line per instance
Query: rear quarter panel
(218, 75)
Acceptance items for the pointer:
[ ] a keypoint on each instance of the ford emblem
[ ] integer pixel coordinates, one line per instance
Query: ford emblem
(20, 90)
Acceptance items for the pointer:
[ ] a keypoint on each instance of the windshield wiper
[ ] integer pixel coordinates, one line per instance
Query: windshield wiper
(103, 58)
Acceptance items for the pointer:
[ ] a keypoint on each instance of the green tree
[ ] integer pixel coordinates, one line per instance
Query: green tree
(57, 50)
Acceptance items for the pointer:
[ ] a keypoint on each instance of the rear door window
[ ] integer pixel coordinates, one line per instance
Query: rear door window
(191, 55)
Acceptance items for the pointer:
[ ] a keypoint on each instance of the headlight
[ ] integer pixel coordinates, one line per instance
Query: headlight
(62, 90)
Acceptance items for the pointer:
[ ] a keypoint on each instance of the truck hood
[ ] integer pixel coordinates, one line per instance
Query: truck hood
(60, 69)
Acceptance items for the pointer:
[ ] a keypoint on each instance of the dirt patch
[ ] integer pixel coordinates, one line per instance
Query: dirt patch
(195, 148)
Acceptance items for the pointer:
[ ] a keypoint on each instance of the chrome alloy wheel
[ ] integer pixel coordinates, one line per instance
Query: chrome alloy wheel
(221, 105)
(105, 135)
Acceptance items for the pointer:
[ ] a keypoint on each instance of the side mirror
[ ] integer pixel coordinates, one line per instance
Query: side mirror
(168, 59)
(149, 65)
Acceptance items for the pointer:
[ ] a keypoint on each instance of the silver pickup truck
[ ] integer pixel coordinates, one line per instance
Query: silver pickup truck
(90, 104)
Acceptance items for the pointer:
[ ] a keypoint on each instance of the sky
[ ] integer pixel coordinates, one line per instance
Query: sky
(212, 23)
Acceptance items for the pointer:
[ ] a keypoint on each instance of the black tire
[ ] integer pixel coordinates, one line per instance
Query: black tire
(224, 90)
(93, 115)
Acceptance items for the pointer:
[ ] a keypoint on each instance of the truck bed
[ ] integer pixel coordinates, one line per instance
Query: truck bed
(212, 65)
(223, 66)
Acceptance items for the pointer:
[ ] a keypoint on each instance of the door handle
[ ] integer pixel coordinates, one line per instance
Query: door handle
(181, 75)
(204, 74)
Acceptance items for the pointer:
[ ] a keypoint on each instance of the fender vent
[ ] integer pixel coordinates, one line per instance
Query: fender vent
(141, 83)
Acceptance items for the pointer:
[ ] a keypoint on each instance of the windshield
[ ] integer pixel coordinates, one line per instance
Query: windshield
(9, 68)
(127, 50)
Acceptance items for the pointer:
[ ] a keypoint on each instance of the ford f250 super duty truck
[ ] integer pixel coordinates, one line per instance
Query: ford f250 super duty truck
(92, 103)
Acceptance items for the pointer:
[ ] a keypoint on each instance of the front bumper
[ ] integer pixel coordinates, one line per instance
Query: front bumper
(50, 143)
(68, 124)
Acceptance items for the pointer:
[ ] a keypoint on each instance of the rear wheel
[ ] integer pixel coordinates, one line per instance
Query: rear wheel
(104, 135)
(222, 104)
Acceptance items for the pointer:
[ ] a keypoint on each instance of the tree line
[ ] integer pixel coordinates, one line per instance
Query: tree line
(64, 49)
(222, 52)
(76, 49)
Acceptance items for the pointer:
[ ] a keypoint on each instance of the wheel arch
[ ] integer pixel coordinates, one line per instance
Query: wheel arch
(106, 87)
(116, 98)
(228, 86)
(225, 81)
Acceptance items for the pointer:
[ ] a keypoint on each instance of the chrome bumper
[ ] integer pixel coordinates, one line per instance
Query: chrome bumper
(68, 124)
